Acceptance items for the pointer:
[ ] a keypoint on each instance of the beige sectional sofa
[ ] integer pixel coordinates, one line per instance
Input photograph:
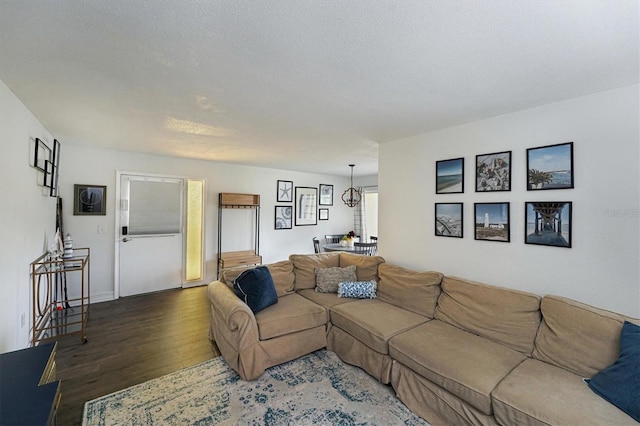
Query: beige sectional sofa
(455, 351)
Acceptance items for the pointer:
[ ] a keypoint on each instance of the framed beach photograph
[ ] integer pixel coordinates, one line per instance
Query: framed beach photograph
(550, 167)
(283, 217)
(548, 223)
(449, 220)
(285, 191)
(326, 195)
(306, 203)
(89, 200)
(492, 222)
(323, 214)
(493, 172)
(450, 176)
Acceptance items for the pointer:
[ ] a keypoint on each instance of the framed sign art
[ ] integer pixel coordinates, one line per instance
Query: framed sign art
(306, 203)
(89, 200)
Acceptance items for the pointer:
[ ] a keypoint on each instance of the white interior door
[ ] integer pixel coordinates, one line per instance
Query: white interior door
(151, 234)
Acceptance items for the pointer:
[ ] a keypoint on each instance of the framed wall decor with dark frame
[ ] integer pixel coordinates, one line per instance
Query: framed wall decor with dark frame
(285, 191)
(492, 222)
(548, 223)
(550, 167)
(450, 176)
(41, 154)
(89, 200)
(493, 172)
(323, 214)
(283, 216)
(55, 160)
(326, 195)
(306, 203)
(49, 173)
(449, 220)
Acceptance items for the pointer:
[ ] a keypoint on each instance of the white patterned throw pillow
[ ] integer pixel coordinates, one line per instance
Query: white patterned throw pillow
(358, 289)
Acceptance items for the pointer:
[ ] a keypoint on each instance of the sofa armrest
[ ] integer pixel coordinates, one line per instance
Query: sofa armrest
(231, 319)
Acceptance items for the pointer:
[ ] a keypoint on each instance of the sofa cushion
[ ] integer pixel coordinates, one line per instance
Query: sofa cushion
(255, 287)
(292, 313)
(327, 279)
(304, 267)
(619, 383)
(374, 322)
(537, 393)
(323, 299)
(508, 317)
(412, 290)
(281, 272)
(578, 337)
(366, 266)
(464, 364)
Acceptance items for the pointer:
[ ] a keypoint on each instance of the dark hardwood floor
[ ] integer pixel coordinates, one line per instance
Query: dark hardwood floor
(132, 340)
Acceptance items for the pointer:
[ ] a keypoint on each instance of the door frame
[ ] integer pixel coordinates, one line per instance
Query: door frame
(118, 208)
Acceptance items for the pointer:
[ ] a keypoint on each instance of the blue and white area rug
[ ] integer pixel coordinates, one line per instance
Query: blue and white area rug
(317, 389)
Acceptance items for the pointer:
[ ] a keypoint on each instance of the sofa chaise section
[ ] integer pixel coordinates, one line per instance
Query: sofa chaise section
(574, 342)
(446, 369)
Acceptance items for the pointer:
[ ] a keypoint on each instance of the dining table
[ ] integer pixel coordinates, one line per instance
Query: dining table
(338, 247)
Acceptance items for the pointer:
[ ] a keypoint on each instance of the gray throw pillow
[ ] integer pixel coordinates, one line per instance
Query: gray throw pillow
(327, 279)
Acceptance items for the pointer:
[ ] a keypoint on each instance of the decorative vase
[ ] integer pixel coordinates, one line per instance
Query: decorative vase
(349, 242)
(68, 247)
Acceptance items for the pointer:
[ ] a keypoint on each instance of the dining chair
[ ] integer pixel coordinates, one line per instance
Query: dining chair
(366, 249)
(316, 244)
(332, 239)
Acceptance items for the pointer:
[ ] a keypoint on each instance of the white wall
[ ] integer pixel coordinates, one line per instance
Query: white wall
(85, 165)
(27, 213)
(27, 216)
(602, 267)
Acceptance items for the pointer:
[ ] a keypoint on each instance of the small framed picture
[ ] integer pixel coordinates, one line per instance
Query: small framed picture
(326, 195)
(493, 172)
(449, 220)
(41, 154)
(550, 167)
(283, 217)
(323, 214)
(48, 174)
(285, 191)
(450, 176)
(306, 203)
(492, 222)
(548, 223)
(89, 199)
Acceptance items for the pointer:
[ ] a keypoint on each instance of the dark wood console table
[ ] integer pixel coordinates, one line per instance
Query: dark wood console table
(29, 391)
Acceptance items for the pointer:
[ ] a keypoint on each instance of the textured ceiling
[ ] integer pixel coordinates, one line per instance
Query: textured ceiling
(304, 85)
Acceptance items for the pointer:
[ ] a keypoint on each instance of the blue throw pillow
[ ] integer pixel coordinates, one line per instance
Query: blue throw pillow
(255, 287)
(620, 382)
(358, 289)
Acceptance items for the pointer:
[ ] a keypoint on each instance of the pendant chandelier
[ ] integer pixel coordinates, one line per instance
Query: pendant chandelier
(351, 197)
